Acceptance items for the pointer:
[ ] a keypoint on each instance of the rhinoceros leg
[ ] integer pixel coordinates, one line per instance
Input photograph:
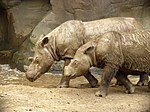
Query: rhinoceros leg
(143, 81)
(118, 83)
(122, 77)
(92, 80)
(108, 73)
(64, 83)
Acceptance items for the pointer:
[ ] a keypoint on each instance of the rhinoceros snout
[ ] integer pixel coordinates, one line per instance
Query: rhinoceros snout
(25, 67)
(31, 79)
(67, 72)
(30, 76)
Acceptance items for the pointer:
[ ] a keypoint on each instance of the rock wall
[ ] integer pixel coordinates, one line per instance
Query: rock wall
(86, 10)
(26, 20)
(23, 18)
(3, 29)
(17, 20)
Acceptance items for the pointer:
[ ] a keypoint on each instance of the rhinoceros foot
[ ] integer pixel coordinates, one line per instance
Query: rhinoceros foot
(118, 83)
(64, 84)
(130, 90)
(143, 80)
(101, 93)
(94, 83)
(142, 83)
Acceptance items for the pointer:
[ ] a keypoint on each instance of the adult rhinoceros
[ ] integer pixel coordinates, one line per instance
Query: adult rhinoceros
(63, 41)
(115, 53)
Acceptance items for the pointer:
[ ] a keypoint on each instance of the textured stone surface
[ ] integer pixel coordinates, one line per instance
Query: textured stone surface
(3, 29)
(17, 20)
(23, 18)
(44, 27)
(6, 4)
(20, 57)
(5, 56)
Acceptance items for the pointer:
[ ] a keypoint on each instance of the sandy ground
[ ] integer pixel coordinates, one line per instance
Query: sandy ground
(19, 95)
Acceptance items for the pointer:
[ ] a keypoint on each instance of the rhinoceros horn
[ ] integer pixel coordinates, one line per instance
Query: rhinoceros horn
(25, 67)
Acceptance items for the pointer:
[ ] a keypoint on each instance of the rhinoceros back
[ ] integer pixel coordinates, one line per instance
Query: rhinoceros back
(68, 37)
(136, 50)
(118, 24)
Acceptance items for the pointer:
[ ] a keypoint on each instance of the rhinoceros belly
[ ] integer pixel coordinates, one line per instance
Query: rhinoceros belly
(137, 63)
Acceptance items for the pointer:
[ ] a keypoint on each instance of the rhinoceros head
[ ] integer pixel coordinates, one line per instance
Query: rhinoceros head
(41, 61)
(79, 65)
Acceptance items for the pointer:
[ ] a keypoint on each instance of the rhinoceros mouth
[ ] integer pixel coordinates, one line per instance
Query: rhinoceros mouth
(30, 79)
(38, 74)
(74, 75)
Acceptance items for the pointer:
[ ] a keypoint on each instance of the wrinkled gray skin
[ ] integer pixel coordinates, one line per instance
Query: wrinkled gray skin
(62, 43)
(118, 54)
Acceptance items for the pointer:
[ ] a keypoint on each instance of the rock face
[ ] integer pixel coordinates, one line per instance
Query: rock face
(22, 19)
(3, 29)
(6, 4)
(86, 10)
(18, 20)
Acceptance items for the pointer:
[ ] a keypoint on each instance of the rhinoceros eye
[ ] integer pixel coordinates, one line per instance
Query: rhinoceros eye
(36, 60)
(75, 63)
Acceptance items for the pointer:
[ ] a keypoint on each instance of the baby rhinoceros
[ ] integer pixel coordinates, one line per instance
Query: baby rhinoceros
(116, 53)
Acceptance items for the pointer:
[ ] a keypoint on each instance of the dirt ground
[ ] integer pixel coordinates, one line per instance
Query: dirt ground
(17, 94)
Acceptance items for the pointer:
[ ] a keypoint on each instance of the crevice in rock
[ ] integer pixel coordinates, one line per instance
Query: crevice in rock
(3, 30)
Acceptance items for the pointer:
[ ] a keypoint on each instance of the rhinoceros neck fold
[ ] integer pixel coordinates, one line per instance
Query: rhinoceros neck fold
(92, 56)
(92, 60)
(52, 48)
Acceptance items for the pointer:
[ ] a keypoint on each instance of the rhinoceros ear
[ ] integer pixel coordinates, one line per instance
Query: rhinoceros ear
(45, 41)
(89, 50)
(30, 59)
